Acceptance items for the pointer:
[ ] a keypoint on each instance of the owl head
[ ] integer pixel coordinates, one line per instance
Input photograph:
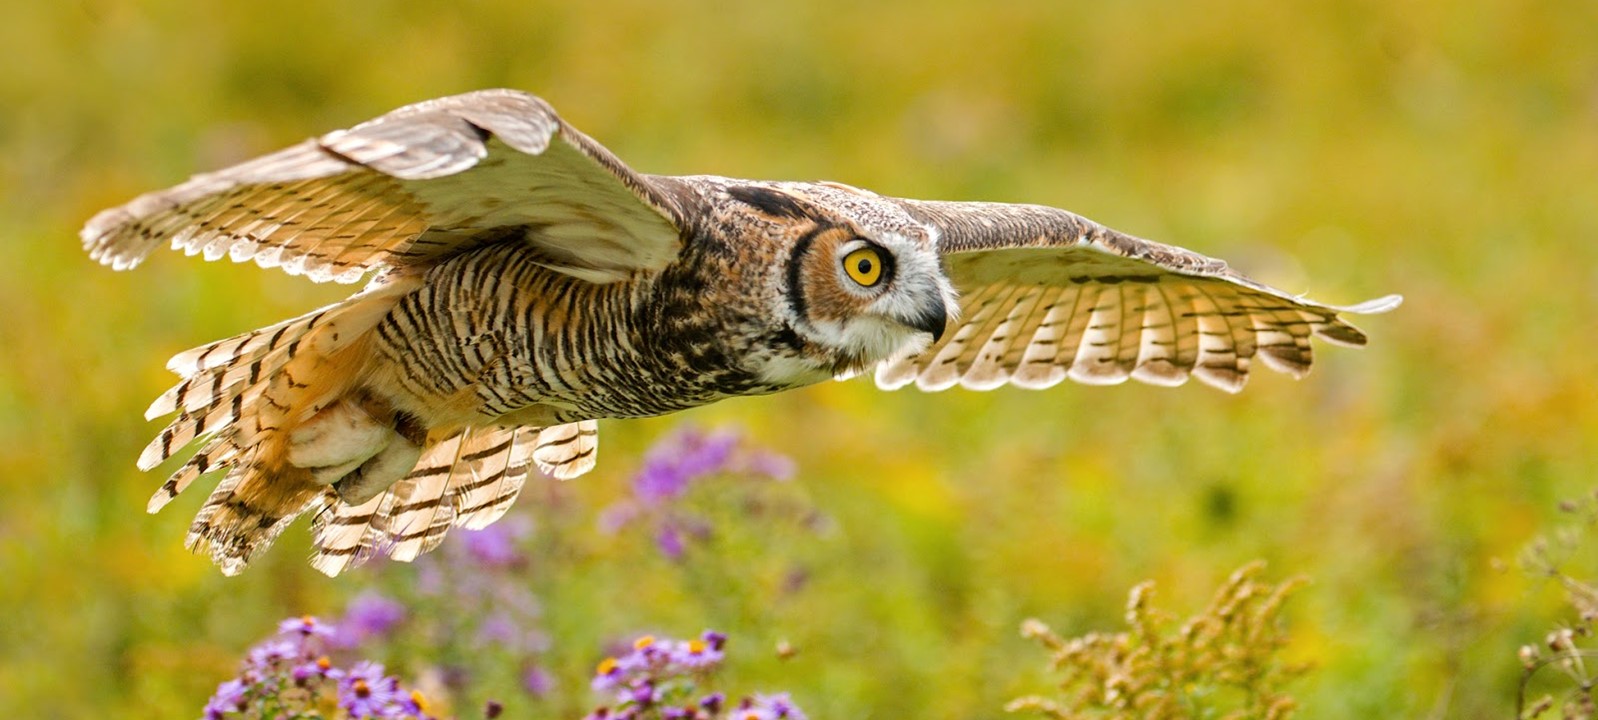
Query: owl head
(859, 279)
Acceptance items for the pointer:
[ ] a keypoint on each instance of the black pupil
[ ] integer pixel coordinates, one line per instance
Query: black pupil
(864, 266)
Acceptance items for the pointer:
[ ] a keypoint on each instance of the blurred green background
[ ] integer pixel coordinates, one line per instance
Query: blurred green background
(1346, 148)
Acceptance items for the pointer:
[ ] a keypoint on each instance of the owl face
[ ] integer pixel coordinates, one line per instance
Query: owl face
(865, 295)
(860, 281)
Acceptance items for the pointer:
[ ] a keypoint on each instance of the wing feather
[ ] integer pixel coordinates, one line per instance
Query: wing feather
(406, 188)
(1048, 295)
(1155, 363)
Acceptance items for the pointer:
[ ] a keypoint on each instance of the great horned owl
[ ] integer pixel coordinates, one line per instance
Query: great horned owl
(525, 283)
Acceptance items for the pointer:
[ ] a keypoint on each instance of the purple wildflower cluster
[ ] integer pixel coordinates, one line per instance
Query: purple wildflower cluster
(370, 616)
(672, 467)
(658, 679)
(482, 582)
(679, 459)
(465, 620)
(291, 675)
(467, 623)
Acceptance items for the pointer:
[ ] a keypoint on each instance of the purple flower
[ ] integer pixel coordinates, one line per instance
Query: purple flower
(365, 692)
(495, 545)
(268, 655)
(306, 627)
(670, 541)
(671, 468)
(642, 693)
(229, 697)
(695, 655)
(318, 668)
(769, 707)
(671, 465)
(608, 675)
(413, 705)
(369, 615)
(712, 703)
(536, 682)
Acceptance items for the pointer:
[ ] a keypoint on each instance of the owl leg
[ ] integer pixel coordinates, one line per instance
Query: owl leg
(383, 469)
(336, 441)
(357, 445)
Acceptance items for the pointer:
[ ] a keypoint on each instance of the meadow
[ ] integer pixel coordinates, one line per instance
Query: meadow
(1346, 149)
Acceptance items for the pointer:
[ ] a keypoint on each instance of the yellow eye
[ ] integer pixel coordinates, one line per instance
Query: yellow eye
(864, 266)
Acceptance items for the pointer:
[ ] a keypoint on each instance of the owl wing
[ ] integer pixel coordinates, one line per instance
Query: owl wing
(409, 187)
(1048, 295)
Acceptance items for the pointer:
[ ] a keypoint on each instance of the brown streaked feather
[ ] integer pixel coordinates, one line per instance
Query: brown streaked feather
(406, 188)
(224, 379)
(487, 496)
(244, 515)
(1049, 295)
(348, 535)
(467, 479)
(567, 451)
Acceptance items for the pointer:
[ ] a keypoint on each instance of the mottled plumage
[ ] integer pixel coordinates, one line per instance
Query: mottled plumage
(525, 283)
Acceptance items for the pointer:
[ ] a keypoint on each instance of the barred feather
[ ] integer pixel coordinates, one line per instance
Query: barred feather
(566, 451)
(384, 193)
(467, 479)
(242, 393)
(1049, 295)
(225, 379)
(487, 497)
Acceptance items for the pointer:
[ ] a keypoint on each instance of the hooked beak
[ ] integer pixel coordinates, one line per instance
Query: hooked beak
(931, 317)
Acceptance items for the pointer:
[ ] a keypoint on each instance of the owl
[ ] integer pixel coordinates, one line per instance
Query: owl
(523, 283)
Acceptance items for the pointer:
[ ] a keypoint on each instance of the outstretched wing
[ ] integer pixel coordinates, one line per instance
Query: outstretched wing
(1048, 295)
(408, 187)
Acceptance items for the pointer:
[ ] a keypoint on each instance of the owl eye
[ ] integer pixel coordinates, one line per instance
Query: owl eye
(864, 266)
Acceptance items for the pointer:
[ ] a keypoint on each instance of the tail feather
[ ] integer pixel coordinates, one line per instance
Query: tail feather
(244, 396)
(200, 422)
(487, 497)
(348, 535)
(219, 452)
(468, 478)
(566, 451)
(240, 349)
(244, 515)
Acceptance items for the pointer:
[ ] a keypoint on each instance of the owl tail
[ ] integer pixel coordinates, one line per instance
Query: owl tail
(282, 411)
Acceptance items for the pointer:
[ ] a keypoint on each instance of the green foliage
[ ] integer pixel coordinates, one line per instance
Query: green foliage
(1344, 148)
(1220, 663)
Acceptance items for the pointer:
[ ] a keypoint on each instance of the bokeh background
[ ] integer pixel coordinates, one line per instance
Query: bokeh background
(1346, 148)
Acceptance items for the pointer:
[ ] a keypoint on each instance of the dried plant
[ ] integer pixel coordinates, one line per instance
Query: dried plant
(1221, 663)
(1568, 647)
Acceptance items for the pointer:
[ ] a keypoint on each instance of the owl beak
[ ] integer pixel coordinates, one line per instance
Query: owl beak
(932, 317)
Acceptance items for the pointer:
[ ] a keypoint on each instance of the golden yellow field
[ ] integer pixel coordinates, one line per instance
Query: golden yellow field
(1346, 149)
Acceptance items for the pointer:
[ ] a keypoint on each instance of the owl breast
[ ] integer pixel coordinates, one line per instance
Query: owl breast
(492, 336)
